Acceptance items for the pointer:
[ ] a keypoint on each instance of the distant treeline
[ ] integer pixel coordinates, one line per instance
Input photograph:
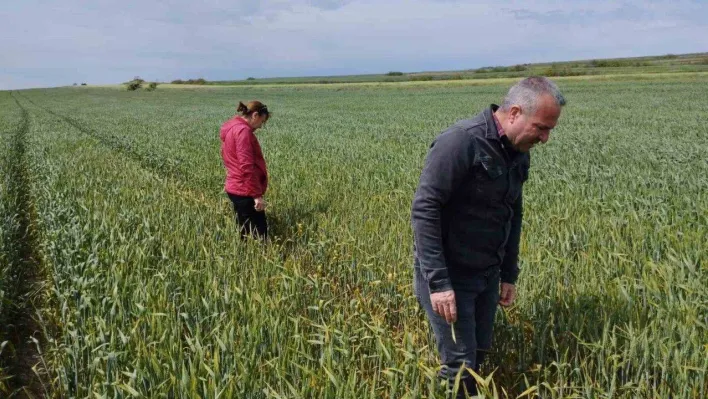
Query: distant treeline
(199, 81)
(663, 63)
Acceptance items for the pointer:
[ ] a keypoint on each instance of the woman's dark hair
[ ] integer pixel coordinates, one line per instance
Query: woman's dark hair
(253, 107)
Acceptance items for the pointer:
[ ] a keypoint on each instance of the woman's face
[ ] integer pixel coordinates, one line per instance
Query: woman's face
(258, 120)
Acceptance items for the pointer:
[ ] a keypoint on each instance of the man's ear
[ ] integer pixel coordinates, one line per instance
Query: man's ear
(514, 113)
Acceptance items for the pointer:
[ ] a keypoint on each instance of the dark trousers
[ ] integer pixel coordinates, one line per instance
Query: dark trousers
(251, 222)
(476, 298)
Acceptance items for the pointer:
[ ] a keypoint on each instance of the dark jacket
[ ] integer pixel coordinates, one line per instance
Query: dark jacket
(468, 207)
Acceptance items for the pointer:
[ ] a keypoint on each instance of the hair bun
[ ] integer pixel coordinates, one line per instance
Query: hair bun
(241, 108)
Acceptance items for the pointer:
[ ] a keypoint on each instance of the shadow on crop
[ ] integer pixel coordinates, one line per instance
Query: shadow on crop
(551, 333)
(293, 226)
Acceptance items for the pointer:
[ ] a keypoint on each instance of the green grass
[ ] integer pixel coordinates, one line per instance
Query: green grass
(156, 296)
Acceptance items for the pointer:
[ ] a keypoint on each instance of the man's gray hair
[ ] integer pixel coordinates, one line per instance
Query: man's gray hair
(527, 92)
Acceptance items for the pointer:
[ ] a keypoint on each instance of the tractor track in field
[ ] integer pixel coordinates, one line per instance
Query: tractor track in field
(20, 325)
(171, 175)
(119, 144)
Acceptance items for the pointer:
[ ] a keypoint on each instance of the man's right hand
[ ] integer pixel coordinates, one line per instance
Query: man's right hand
(444, 304)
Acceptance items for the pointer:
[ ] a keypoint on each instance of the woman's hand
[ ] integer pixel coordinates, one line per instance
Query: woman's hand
(260, 204)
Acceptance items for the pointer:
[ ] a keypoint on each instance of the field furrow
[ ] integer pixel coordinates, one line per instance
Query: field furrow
(23, 282)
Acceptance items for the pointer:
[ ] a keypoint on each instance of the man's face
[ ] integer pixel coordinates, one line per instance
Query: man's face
(526, 130)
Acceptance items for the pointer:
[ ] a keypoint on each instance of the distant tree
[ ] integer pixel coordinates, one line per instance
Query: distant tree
(83, 84)
(74, 84)
(152, 86)
(177, 82)
(394, 73)
(135, 84)
(251, 78)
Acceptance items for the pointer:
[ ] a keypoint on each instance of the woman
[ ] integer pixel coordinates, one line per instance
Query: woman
(246, 173)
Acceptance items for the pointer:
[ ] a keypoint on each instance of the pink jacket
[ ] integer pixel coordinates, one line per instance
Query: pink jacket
(246, 173)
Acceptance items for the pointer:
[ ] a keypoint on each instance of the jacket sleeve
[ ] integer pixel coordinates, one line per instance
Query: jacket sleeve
(245, 159)
(446, 165)
(510, 265)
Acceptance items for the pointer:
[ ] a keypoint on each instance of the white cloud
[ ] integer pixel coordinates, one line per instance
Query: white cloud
(111, 41)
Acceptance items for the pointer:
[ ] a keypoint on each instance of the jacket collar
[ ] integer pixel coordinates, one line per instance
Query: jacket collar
(491, 133)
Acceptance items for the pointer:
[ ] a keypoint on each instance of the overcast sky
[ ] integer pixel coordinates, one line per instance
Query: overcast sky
(55, 43)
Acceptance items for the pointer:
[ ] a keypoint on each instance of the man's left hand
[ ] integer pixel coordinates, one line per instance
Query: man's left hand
(507, 294)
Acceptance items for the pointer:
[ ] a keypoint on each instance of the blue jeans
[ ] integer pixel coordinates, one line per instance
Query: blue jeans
(476, 297)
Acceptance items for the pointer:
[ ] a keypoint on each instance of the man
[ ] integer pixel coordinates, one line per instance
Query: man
(467, 221)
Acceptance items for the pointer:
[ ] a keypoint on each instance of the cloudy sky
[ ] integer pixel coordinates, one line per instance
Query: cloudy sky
(54, 43)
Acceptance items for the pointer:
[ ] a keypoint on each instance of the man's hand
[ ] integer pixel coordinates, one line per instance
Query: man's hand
(260, 204)
(444, 304)
(507, 295)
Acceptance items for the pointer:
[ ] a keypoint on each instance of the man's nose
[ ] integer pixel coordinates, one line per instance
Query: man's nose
(544, 137)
